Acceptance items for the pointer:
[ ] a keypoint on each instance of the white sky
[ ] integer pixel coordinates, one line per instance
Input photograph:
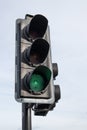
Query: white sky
(68, 32)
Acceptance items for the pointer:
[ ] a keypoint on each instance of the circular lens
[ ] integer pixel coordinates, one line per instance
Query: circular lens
(36, 83)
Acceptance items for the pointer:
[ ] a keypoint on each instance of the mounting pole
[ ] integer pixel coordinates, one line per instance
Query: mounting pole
(26, 116)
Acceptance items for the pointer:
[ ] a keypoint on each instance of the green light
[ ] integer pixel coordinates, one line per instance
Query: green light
(36, 83)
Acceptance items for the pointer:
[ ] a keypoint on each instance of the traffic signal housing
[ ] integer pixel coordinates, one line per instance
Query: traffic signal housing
(34, 73)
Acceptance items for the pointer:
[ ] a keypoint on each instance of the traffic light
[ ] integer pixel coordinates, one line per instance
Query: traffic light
(34, 71)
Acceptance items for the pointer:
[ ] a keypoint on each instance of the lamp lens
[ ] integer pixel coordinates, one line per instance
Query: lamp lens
(37, 83)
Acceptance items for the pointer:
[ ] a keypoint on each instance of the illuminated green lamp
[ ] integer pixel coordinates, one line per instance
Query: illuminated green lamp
(37, 83)
(39, 79)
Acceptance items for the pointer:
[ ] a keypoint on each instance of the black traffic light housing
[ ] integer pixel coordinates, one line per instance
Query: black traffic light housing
(34, 70)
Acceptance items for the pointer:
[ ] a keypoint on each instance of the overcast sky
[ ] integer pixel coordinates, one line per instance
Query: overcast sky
(68, 33)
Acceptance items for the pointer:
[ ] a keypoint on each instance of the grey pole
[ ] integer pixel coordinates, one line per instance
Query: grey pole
(26, 116)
